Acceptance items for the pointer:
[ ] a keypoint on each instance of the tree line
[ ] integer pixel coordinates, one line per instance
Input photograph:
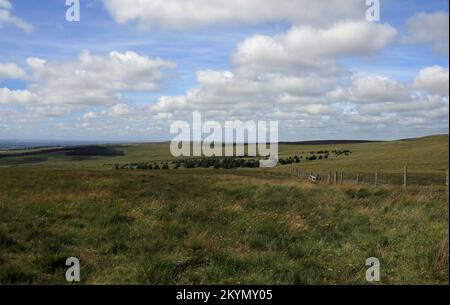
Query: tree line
(226, 162)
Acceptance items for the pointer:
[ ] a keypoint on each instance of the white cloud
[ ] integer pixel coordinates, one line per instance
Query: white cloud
(92, 79)
(36, 63)
(58, 87)
(211, 77)
(415, 105)
(20, 97)
(184, 14)
(303, 85)
(430, 28)
(168, 104)
(6, 18)
(378, 98)
(311, 48)
(381, 103)
(287, 77)
(296, 76)
(90, 115)
(5, 4)
(421, 104)
(11, 71)
(434, 80)
(121, 110)
(287, 71)
(372, 89)
(318, 109)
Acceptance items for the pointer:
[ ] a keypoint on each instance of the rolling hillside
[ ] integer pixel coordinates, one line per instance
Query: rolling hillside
(207, 226)
(427, 158)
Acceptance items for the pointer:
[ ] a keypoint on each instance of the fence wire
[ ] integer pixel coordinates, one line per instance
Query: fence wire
(385, 177)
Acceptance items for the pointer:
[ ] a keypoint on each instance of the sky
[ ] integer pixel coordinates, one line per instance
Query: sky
(129, 68)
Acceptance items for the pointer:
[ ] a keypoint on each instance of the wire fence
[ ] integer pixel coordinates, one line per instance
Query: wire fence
(403, 177)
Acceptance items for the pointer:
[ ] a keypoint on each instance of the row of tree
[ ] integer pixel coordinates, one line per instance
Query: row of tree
(206, 162)
(223, 162)
(141, 166)
(327, 152)
(297, 159)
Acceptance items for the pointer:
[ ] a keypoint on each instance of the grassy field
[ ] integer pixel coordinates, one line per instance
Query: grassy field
(426, 154)
(206, 226)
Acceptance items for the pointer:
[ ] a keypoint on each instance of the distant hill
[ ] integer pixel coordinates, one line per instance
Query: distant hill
(329, 142)
(427, 153)
(426, 137)
(89, 150)
(39, 144)
(333, 142)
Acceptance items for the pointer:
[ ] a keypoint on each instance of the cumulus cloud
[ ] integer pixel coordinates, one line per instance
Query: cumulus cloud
(6, 17)
(372, 89)
(312, 48)
(288, 77)
(121, 110)
(11, 71)
(430, 28)
(376, 102)
(276, 74)
(311, 85)
(423, 105)
(384, 104)
(90, 115)
(17, 97)
(296, 77)
(5, 4)
(434, 80)
(57, 87)
(168, 104)
(183, 14)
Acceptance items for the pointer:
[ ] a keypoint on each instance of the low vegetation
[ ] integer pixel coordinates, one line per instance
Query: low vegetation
(205, 162)
(243, 225)
(93, 151)
(209, 227)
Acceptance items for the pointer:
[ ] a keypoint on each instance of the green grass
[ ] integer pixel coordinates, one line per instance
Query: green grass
(426, 158)
(211, 227)
(427, 154)
(248, 226)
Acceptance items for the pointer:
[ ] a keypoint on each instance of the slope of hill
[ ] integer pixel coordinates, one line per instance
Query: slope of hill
(238, 226)
(215, 227)
(426, 154)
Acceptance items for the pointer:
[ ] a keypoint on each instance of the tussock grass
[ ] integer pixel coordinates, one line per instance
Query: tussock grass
(215, 227)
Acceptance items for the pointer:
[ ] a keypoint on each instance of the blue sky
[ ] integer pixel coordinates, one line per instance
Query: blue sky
(55, 38)
(209, 47)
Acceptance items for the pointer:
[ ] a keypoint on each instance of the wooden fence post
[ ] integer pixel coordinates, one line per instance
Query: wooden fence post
(376, 177)
(342, 178)
(329, 177)
(335, 178)
(357, 179)
(446, 182)
(405, 177)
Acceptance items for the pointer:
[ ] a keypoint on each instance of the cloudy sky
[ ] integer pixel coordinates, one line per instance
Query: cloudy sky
(131, 67)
